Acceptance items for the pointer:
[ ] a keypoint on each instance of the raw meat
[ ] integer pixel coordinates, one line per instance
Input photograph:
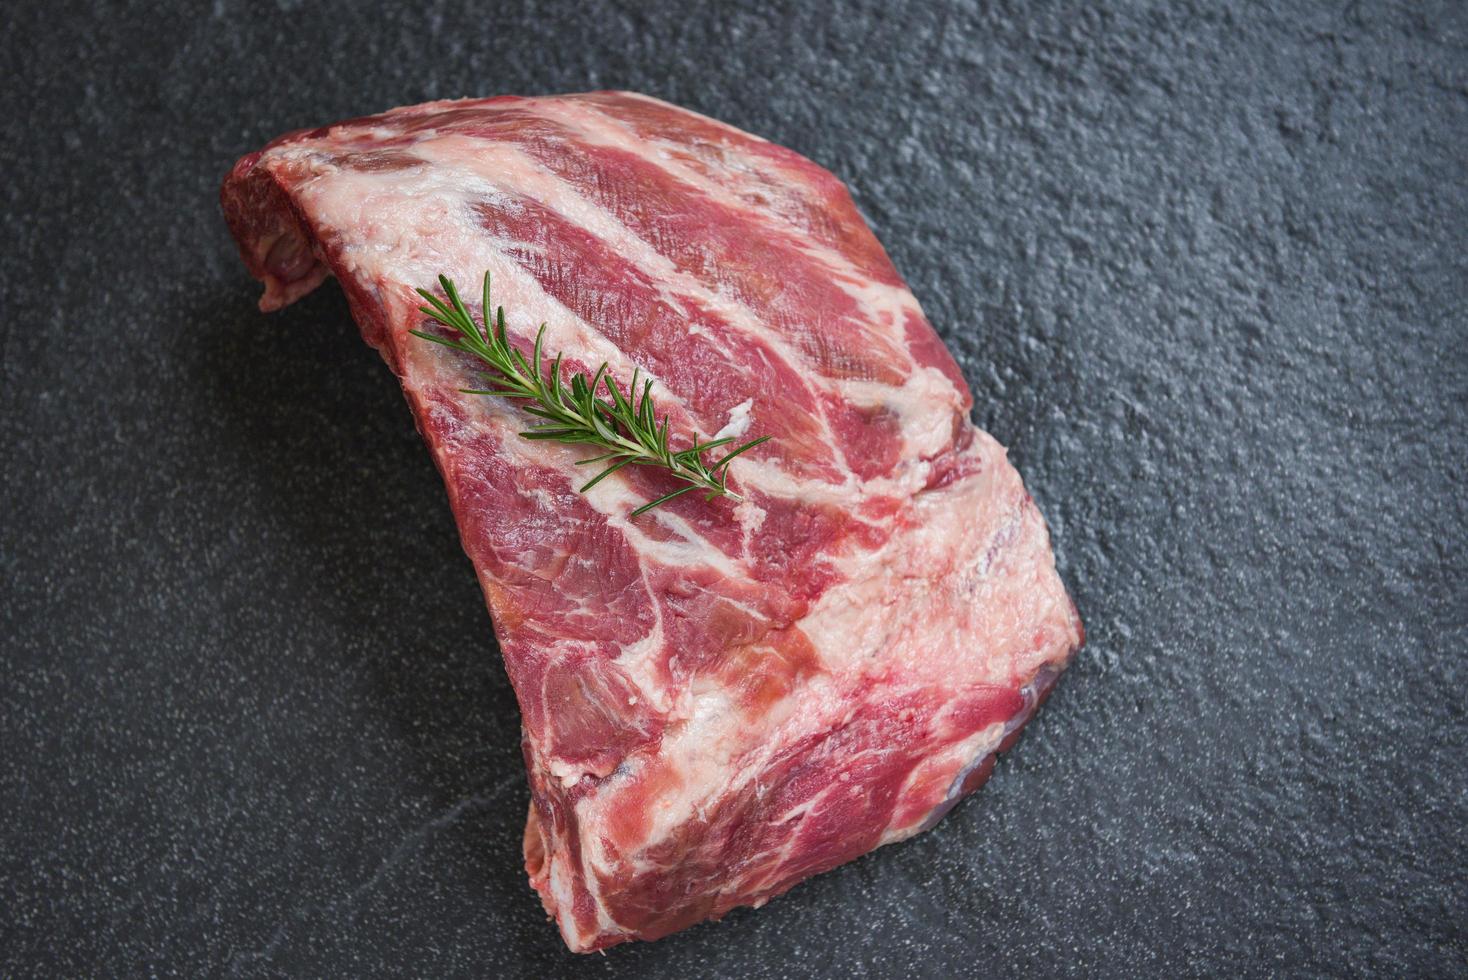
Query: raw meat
(720, 698)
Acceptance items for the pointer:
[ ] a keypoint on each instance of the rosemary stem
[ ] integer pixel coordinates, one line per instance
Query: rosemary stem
(572, 409)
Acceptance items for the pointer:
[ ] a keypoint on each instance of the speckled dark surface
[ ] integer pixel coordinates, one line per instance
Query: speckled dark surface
(1206, 267)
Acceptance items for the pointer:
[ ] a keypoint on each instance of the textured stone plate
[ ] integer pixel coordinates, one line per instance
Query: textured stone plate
(1205, 270)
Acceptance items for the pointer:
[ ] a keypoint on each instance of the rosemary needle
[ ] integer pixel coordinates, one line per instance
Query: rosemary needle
(573, 410)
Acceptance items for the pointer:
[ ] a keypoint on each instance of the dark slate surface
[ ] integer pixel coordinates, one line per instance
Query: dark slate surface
(1204, 265)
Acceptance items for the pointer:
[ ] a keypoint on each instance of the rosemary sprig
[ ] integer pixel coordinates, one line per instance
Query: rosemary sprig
(572, 409)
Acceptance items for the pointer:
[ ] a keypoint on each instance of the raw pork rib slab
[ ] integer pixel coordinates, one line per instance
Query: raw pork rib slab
(720, 699)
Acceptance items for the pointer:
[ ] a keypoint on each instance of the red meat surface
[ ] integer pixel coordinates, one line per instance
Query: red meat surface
(720, 698)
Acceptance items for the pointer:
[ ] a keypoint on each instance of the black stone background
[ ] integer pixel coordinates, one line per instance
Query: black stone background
(1204, 266)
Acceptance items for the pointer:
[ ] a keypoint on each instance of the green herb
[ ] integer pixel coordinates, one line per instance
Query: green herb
(573, 410)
